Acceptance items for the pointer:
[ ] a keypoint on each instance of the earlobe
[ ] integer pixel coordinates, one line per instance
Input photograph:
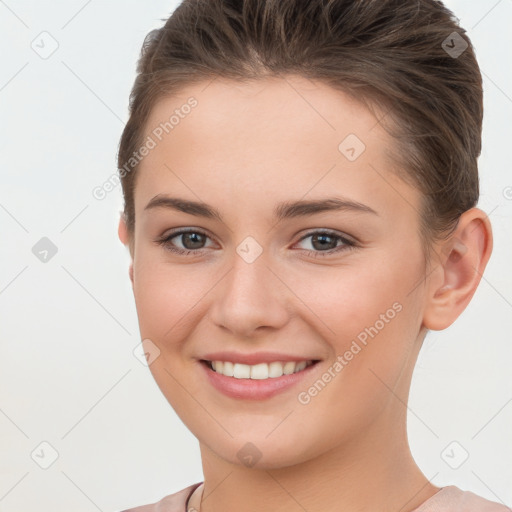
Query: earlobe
(462, 261)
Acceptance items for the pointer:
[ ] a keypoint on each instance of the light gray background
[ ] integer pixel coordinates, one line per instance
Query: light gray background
(68, 375)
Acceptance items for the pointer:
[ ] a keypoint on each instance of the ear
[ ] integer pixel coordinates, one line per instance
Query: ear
(462, 261)
(125, 238)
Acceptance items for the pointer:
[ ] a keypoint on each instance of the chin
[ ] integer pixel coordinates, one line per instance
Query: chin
(261, 451)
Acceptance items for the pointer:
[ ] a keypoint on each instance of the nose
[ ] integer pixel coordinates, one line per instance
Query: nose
(250, 297)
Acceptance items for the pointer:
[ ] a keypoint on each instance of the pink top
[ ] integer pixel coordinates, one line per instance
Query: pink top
(447, 499)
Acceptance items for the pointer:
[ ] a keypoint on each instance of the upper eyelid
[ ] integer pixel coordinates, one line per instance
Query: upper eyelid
(326, 231)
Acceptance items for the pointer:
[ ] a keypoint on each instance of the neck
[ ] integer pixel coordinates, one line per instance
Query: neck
(371, 471)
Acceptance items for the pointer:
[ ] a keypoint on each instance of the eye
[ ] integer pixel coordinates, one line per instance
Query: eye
(191, 239)
(325, 243)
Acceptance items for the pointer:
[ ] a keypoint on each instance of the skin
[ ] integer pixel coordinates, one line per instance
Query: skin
(243, 149)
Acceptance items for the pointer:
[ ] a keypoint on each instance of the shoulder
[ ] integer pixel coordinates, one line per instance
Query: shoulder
(172, 503)
(453, 499)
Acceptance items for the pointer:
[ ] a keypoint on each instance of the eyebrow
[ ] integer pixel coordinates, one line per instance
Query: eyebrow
(284, 210)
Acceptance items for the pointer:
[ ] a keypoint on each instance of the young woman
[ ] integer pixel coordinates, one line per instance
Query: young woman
(300, 181)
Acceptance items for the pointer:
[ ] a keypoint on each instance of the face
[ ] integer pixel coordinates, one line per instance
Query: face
(332, 279)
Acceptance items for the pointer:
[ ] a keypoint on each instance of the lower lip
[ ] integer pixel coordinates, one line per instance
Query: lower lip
(254, 389)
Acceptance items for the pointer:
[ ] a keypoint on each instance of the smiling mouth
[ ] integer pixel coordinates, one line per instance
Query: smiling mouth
(261, 371)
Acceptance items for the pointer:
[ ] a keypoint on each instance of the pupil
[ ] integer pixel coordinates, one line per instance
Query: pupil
(192, 235)
(321, 238)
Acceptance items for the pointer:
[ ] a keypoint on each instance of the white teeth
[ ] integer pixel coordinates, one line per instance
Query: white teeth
(289, 368)
(300, 366)
(242, 371)
(228, 369)
(259, 371)
(275, 370)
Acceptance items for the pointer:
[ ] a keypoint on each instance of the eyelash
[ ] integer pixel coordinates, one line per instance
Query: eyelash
(347, 244)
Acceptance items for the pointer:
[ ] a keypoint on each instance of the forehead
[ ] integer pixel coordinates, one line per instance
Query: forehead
(280, 136)
(292, 107)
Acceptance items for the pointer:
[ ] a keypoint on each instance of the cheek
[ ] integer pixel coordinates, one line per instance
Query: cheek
(167, 296)
(167, 300)
(373, 322)
(354, 301)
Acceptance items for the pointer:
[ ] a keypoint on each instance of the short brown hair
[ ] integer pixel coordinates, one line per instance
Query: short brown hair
(391, 53)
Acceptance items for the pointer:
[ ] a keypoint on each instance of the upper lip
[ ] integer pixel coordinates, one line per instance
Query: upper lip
(254, 358)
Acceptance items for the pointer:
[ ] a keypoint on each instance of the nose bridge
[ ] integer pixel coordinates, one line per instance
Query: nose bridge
(250, 295)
